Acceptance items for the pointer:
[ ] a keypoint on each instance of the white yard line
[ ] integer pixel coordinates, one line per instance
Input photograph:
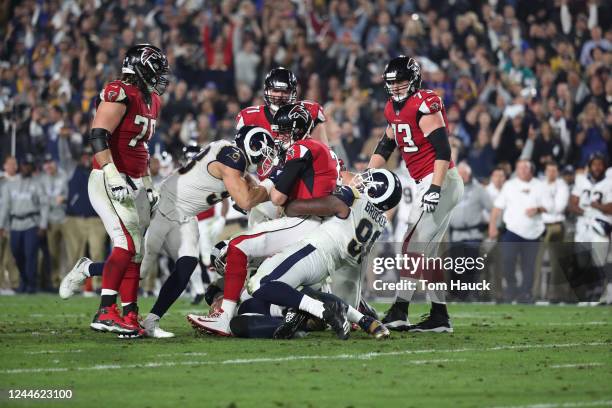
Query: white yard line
(361, 356)
(576, 365)
(574, 404)
(52, 351)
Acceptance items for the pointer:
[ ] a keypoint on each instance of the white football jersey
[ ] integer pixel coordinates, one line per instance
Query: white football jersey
(348, 241)
(602, 193)
(192, 189)
(583, 188)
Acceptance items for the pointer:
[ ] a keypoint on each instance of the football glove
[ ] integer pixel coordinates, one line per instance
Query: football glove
(152, 194)
(116, 186)
(431, 199)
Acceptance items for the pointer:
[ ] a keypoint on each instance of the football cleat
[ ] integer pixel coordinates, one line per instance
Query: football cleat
(216, 322)
(367, 310)
(73, 281)
(374, 328)
(334, 314)
(294, 320)
(396, 319)
(132, 319)
(435, 323)
(108, 320)
(152, 329)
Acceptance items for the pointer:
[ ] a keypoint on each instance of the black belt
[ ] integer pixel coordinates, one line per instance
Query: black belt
(25, 216)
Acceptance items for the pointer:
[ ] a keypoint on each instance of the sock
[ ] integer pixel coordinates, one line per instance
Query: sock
(115, 267)
(129, 307)
(108, 298)
(174, 285)
(279, 293)
(312, 306)
(229, 307)
(94, 269)
(235, 273)
(437, 296)
(128, 290)
(439, 308)
(405, 295)
(153, 317)
(401, 305)
(353, 315)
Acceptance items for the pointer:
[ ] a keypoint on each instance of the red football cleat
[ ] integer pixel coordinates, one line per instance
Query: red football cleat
(108, 320)
(132, 319)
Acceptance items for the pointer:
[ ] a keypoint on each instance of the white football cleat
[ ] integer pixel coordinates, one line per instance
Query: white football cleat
(217, 322)
(73, 281)
(152, 329)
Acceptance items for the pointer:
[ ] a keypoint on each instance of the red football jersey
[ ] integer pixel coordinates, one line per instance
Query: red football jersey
(128, 144)
(319, 170)
(262, 116)
(418, 153)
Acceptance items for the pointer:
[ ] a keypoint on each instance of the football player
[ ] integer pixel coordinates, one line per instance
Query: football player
(417, 126)
(309, 172)
(120, 187)
(591, 199)
(280, 89)
(216, 172)
(336, 249)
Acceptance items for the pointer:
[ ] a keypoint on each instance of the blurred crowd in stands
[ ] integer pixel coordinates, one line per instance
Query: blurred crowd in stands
(521, 80)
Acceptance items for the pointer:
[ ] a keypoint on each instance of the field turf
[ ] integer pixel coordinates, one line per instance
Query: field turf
(499, 356)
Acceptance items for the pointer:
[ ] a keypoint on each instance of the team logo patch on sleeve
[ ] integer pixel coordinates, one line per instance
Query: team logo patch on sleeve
(113, 93)
(296, 151)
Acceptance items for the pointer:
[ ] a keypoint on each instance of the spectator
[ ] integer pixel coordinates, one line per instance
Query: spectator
(466, 230)
(522, 202)
(55, 184)
(554, 235)
(9, 275)
(25, 212)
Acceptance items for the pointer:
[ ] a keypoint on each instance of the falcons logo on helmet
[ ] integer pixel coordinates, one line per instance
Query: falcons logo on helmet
(299, 111)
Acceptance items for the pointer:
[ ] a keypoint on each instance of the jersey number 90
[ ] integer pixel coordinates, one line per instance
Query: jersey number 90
(363, 240)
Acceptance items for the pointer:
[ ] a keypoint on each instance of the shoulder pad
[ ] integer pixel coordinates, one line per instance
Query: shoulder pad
(114, 92)
(232, 157)
(296, 151)
(431, 103)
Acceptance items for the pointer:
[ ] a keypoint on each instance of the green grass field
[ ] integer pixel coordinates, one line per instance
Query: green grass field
(498, 356)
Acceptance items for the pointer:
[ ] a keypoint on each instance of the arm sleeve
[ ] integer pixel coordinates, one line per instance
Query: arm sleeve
(292, 171)
(439, 140)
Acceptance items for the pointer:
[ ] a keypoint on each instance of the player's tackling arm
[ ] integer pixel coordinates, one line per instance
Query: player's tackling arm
(386, 146)
(322, 206)
(237, 186)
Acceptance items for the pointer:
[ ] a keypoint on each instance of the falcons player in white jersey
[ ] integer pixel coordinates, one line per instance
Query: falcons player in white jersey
(591, 199)
(335, 250)
(417, 125)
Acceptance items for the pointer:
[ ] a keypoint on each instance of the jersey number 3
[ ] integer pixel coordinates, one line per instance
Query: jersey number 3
(147, 125)
(403, 131)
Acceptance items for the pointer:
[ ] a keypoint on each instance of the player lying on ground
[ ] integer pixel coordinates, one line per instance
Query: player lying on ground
(417, 126)
(215, 173)
(120, 188)
(335, 250)
(309, 172)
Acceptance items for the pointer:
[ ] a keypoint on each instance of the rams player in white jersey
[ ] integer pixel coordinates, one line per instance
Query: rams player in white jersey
(335, 250)
(217, 172)
(590, 200)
